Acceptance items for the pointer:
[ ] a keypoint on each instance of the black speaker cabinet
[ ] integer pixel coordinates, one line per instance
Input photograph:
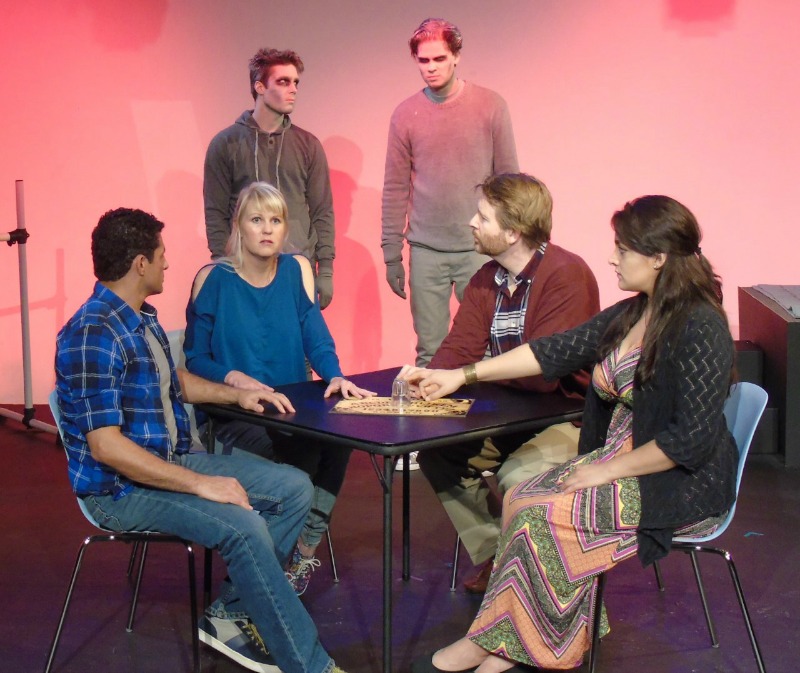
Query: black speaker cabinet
(768, 325)
(749, 362)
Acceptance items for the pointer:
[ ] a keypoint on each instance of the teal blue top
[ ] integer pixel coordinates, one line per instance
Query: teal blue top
(264, 332)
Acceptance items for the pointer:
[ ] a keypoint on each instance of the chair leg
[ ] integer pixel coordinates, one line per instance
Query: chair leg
(193, 609)
(207, 576)
(73, 579)
(132, 560)
(659, 579)
(193, 616)
(745, 612)
(454, 575)
(692, 549)
(67, 600)
(598, 611)
(702, 589)
(331, 554)
(135, 601)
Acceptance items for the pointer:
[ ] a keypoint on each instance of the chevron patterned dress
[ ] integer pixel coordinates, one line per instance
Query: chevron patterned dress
(540, 599)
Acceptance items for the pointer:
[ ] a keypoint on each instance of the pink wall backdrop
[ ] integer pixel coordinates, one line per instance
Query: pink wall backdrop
(108, 103)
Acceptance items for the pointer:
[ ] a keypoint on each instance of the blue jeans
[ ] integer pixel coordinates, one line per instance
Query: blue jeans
(254, 544)
(325, 463)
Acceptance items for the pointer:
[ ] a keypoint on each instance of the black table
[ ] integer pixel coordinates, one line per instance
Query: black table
(497, 410)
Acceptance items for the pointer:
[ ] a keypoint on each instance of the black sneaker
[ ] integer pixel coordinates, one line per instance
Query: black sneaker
(238, 640)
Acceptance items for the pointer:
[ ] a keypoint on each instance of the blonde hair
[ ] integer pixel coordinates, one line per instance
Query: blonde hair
(268, 199)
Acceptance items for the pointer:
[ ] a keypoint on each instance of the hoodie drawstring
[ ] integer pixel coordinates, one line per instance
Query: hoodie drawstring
(277, 160)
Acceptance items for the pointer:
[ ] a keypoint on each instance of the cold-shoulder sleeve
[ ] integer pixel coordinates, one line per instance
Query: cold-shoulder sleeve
(318, 343)
(201, 315)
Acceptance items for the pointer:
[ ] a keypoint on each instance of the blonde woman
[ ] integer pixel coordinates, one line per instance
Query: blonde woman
(252, 322)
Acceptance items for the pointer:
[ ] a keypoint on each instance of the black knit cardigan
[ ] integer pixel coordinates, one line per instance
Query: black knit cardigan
(680, 407)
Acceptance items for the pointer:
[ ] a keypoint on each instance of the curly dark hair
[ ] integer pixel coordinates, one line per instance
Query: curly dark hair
(651, 225)
(119, 237)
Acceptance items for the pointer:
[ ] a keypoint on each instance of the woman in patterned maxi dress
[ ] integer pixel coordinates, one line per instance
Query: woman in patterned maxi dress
(568, 525)
(553, 544)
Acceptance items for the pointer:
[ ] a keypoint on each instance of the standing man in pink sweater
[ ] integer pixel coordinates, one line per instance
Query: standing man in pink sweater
(443, 141)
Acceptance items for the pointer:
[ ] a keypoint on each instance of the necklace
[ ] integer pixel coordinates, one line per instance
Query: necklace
(259, 280)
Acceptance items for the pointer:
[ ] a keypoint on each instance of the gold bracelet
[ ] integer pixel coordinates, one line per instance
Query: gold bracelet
(470, 375)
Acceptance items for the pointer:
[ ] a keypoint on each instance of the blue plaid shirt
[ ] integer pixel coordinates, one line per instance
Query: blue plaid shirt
(106, 376)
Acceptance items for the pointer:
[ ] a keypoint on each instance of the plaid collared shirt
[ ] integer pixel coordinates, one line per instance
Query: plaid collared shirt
(508, 325)
(106, 376)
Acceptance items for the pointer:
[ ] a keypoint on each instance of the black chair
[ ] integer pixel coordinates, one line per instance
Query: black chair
(141, 539)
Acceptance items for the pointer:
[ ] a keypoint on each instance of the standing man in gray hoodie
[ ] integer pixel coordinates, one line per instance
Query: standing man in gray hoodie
(264, 145)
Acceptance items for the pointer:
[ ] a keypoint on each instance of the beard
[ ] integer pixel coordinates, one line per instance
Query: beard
(491, 245)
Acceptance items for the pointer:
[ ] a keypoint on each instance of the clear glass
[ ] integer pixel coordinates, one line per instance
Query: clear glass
(399, 393)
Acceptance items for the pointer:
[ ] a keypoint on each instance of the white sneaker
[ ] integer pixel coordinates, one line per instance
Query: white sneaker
(412, 464)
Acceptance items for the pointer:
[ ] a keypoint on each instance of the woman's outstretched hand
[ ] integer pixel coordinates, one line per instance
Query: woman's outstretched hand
(431, 384)
(347, 389)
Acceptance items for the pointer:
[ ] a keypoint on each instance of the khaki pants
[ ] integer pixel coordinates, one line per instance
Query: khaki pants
(467, 503)
(434, 277)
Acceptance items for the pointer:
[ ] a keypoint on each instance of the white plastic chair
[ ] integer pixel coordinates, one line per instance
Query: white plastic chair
(175, 338)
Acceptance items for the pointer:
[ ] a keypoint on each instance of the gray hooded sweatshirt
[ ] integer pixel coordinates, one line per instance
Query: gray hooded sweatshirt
(290, 159)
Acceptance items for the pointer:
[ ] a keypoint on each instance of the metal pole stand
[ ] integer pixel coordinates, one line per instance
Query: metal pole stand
(20, 237)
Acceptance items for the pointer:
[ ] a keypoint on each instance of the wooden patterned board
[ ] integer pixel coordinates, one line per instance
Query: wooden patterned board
(382, 406)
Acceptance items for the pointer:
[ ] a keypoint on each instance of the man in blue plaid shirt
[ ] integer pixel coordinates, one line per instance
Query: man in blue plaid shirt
(127, 435)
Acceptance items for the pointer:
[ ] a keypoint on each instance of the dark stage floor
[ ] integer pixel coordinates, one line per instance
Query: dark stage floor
(651, 631)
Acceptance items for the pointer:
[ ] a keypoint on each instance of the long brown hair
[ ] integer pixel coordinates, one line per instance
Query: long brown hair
(651, 225)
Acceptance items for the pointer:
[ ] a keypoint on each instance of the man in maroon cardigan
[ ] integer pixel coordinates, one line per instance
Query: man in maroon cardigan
(531, 288)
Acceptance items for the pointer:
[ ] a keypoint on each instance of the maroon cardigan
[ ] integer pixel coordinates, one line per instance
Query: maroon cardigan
(563, 295)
